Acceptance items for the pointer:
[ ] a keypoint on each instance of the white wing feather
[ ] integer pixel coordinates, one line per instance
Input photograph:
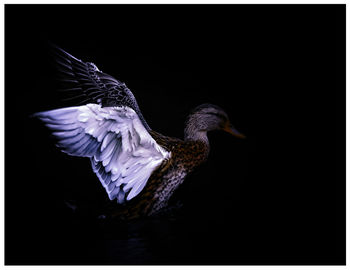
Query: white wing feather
(123, 154)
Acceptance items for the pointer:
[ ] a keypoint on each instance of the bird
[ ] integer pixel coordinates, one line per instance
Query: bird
(139, 168)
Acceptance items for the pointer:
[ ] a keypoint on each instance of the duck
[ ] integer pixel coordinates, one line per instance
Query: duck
(139, 168)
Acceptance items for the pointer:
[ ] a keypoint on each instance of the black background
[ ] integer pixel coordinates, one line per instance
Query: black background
(277, 197)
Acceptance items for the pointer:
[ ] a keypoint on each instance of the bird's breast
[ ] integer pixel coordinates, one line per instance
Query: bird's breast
(170, 182)
(185, 157)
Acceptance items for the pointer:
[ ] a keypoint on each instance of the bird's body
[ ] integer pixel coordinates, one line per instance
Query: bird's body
(139, 168)
(186, 156)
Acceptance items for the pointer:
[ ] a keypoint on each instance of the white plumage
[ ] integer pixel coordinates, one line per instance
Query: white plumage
(123, 154)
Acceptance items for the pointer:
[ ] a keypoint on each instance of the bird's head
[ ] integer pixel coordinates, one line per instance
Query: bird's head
(208, 117)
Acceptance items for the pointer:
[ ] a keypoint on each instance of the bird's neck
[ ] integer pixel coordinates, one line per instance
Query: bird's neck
(195, 132)
(197, 136)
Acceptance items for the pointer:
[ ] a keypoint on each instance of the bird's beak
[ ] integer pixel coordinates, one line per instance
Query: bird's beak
(230, 129)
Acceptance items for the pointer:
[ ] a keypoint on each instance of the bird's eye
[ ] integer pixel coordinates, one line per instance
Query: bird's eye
(218, 116)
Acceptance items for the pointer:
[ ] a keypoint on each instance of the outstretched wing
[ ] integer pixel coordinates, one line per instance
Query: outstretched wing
(88, 84)
(123, 154)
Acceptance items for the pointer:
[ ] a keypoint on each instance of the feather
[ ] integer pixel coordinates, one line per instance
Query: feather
(110, 187)
(114, 158)
(72, 140)
(121, 196)
(75, 81)
(67, 133)
(107, 152)
(64, 64)
(60, 127)
(81, 74)
(136, 189)
(107, 139)
(114, 193)
(70, 89)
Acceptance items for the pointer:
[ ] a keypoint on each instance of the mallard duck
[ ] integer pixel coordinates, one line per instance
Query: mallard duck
(139, 168)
